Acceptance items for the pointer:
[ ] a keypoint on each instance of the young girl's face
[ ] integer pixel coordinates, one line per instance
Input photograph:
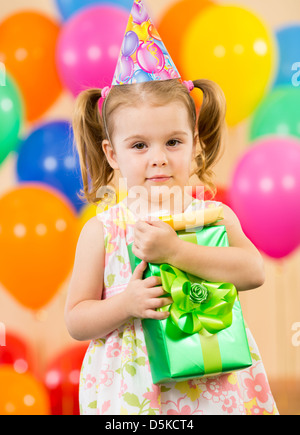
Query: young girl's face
(152, 142)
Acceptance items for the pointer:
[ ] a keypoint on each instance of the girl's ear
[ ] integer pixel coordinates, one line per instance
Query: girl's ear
(110, 154)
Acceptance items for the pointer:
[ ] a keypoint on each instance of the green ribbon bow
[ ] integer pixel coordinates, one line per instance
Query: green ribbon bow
(199, 306)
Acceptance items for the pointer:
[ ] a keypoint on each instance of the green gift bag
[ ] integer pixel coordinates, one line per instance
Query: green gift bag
(205, 334)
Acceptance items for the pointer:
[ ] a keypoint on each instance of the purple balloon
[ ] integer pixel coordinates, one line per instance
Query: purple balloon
(130, 43)
(139, 13)
(125, 70)
(265, 193)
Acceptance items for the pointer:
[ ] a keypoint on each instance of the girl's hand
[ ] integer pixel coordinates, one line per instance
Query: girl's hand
(142, 296)
(154, 241)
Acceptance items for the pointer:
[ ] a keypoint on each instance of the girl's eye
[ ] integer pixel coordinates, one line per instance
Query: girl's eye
(173, 142)
(139, 146)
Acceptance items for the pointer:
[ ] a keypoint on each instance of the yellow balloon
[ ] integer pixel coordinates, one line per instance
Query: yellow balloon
(142, 30)
(88, 212)
(233, 47)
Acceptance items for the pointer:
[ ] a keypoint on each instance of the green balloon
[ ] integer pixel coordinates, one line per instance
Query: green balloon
(11, 115)
(278, 114)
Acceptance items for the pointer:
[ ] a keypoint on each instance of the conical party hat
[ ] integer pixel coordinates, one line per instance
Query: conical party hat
(143, 56)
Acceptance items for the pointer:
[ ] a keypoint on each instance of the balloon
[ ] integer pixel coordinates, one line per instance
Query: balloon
(130, 43)
(220, 196)
(141, 76)
(142, 30)
(278, 114)
(47, 156)
(289, 53)
(125, 70)
(11, 116)
(27, 47)
(150, 57)
(16, 353)
(175, 22)
(154, 33)
(21, 394)
(88, 212)
(89, 47)
(62, 381)
(264, 194)
(139, 13)
(234, 48)
(39, 232)
(68, 7)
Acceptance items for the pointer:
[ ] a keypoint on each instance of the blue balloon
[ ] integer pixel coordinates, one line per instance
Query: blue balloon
(289, 54)
(68, 7)
(141, 76)
(47, 156)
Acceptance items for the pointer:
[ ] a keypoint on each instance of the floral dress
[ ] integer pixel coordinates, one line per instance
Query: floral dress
(115, 376)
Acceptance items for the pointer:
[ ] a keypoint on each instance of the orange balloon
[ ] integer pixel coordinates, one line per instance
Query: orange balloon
(22, 394)
(175, 22)
(38, 237)
(27, 48)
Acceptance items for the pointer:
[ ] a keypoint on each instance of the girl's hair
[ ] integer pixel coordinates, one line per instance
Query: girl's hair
(90, 128)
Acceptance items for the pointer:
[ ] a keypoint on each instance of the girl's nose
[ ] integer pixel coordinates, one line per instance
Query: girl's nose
(159, 158)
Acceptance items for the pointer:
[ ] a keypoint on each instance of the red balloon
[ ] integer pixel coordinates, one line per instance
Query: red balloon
(62, 381)
(16, 353)
(221, 195)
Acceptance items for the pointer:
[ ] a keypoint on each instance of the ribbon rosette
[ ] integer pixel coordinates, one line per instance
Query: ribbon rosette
(199, 306)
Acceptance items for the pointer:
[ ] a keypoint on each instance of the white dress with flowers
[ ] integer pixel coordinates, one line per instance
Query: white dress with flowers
(116, 377)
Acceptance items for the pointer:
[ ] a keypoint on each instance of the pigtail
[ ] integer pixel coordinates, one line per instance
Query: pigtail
(210, 127)
(89, 133)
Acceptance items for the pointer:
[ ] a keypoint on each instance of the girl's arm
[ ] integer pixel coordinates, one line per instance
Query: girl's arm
(240, 264)
(87, 316)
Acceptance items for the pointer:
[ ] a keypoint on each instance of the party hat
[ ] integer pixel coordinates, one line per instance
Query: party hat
(143, 55)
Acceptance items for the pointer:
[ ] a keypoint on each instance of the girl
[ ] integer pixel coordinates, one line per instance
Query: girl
(150, 133)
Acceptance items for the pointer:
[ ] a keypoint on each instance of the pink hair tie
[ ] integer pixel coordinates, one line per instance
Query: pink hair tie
(105, 91)
(189, 85)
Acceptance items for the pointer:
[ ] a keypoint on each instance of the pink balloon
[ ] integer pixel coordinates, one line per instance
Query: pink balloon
(89, 47)
(150, 57)
(265, 192)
